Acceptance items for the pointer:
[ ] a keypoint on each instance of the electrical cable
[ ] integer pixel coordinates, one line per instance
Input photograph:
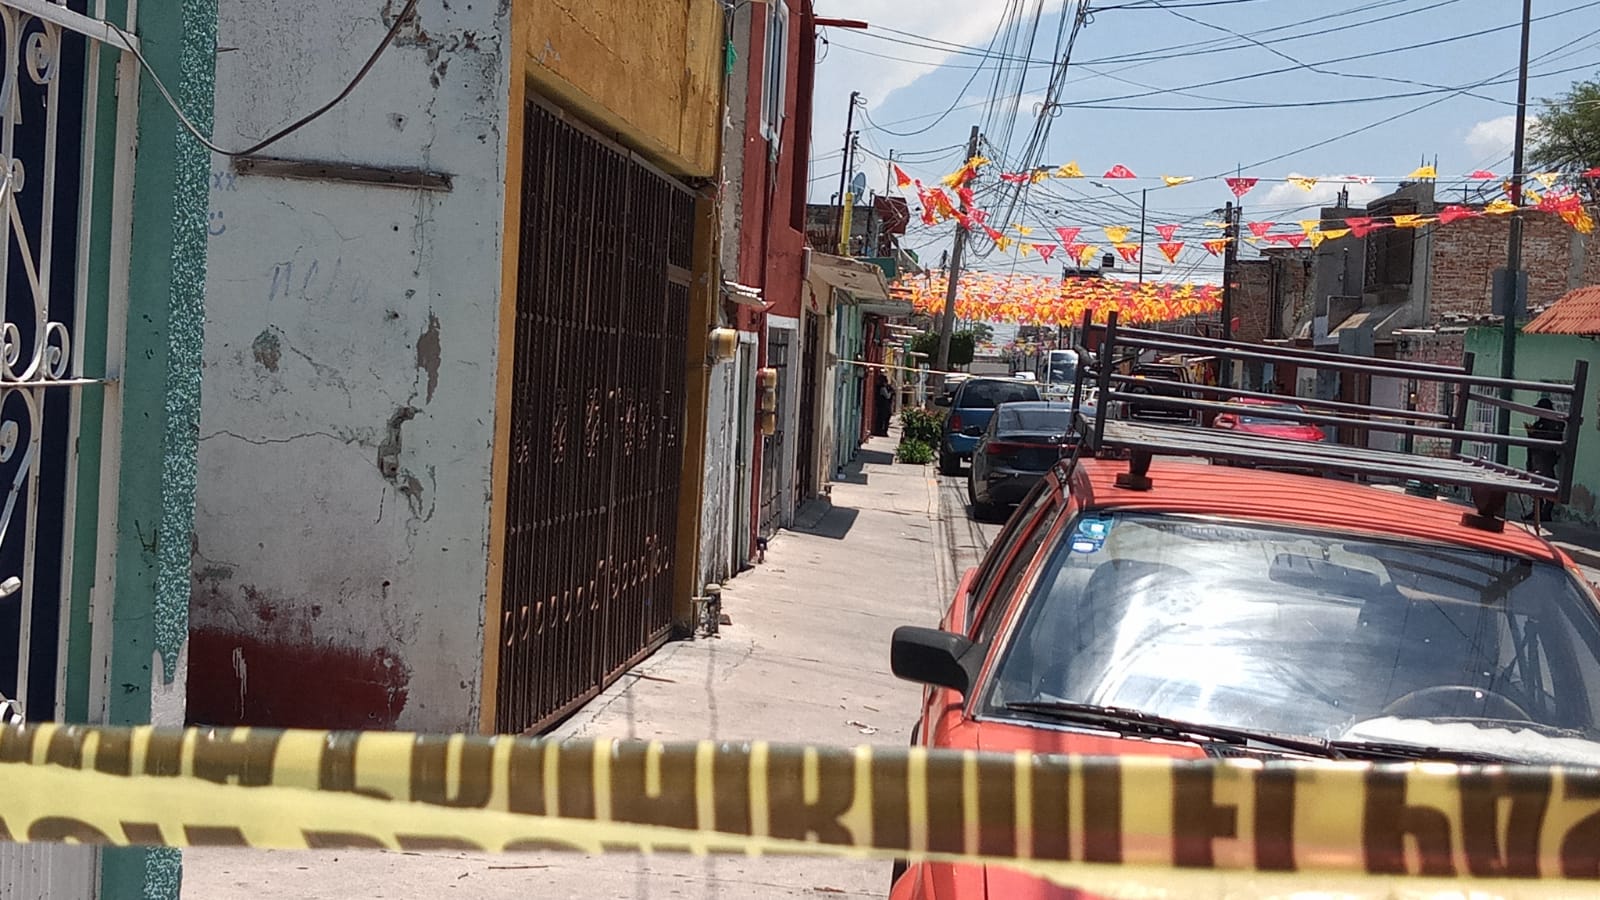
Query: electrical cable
(394, 31)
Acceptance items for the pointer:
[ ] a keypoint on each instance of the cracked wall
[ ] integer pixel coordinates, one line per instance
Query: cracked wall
(342, 526)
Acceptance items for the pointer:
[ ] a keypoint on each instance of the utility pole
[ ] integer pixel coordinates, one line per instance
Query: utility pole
(1144, 198)
(947, 326)
(1508, 340)
(844, 164)
(1230, 257)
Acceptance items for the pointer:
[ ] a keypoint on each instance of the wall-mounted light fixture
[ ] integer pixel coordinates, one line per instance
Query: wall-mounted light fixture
(724, 344)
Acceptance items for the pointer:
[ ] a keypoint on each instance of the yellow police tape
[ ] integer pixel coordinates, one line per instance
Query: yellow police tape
(1118, 826)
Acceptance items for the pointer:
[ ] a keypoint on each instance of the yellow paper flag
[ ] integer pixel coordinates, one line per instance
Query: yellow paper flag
(1025, 247)
(1175, 180)
(1003, 242)
(1413, 221)
(1317, 238)
(1303, 183)
(1310, 226)
(1500, 207)
(1548, 179)
(1070, 170)
(1039, 175)
(1087, 253)
(1023, 230)
(1116, 234)
(1335, 233)
(1423, 173)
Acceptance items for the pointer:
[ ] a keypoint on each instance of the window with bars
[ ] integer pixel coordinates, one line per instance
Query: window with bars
(776, 80)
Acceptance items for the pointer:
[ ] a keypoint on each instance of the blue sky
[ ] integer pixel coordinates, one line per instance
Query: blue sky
(1112, 59)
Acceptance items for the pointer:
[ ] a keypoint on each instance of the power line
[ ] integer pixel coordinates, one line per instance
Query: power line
(291, 128)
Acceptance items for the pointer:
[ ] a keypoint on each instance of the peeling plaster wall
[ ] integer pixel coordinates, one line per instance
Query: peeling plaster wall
(340, 554)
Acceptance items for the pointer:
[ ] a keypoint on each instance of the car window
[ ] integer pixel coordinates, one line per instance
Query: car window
(1300, 632)
(990, 394)
(1043, 421)
(1027, 551)
(1249, 419)
(989, 572)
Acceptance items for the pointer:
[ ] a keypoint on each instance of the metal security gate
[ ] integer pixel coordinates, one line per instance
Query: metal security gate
(772, 451)
(596, 420)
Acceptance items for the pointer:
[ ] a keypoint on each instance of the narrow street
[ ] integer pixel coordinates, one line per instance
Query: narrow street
(805, 658)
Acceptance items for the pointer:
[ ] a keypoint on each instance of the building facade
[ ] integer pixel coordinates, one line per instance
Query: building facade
(457, 361)
(752, 482)
(103, 279)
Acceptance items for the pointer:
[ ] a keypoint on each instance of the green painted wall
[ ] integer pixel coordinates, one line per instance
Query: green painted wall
(161, 391)
(1546, 357)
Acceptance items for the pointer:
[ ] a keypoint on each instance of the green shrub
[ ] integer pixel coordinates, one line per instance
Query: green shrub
(921, 426)
(915, 452)
(963, 344)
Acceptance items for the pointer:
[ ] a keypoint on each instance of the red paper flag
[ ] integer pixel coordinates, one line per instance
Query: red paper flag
(1120, 172)
(1069, 236)
(1045, 250)
(1483, 175)
(980, 216)
(1166, 231)
(993, 235)
(1591, 173)
(1240, 186)
(901, 179)
(1217, 246)
(1295, 240)
(1129, 252)
(967, 198)
(1361, 226)
(1260, 229)
(1014, 177)
(1456, 213)
(1171, 250)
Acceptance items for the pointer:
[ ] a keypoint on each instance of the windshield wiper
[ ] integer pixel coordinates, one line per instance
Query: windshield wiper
(1138, 722)
(1150, 724)
(1389, 750)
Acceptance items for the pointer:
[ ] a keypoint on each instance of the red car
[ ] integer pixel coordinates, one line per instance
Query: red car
(1136, 605)
(1248, 421)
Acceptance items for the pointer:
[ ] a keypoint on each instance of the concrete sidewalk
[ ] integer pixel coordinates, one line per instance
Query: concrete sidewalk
(806, 658)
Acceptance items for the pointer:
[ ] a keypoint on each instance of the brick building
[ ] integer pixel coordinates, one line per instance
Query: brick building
(1272, 294)
(1466, 254)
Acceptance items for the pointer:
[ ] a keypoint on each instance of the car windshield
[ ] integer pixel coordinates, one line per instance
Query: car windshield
(1034, 421)
(990, 394)
(1333, 637)
(1063, 370)
(1249, 419)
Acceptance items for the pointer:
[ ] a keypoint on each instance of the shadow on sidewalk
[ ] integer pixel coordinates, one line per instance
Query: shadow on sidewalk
(835, 523)
(855, 471)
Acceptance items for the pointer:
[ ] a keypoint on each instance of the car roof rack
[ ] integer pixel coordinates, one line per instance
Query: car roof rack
(1105, 434)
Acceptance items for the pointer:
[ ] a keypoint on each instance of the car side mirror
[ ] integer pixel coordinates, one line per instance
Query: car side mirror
(1227, 421)
(930, 656)
(973, 431)
(942, 400)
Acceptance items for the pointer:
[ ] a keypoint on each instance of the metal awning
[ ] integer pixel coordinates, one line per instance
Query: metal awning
(743, 294)
(863, 282)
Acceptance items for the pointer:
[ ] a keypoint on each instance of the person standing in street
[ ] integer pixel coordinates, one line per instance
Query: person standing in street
(1543, 460)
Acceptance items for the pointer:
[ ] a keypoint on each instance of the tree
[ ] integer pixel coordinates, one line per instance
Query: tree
(1566, 137)
(963, 345)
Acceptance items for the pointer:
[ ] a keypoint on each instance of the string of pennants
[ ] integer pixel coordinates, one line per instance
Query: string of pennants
(1046, 300)
(956, 201)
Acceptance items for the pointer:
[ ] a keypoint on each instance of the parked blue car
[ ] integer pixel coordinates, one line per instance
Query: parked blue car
(970, 408)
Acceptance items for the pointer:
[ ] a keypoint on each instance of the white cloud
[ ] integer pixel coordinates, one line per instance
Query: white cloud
(1490, 140)
(953, 21)
(1324, 193)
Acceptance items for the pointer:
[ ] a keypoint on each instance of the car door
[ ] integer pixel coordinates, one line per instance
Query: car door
(1012, 556)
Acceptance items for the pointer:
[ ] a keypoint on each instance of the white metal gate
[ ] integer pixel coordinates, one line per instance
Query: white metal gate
(54, 115)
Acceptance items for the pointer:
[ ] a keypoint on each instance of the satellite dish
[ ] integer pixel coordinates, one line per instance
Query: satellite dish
(858, 186)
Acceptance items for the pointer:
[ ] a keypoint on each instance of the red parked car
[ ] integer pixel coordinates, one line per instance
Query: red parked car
(1136, 605)
(1249, 420)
